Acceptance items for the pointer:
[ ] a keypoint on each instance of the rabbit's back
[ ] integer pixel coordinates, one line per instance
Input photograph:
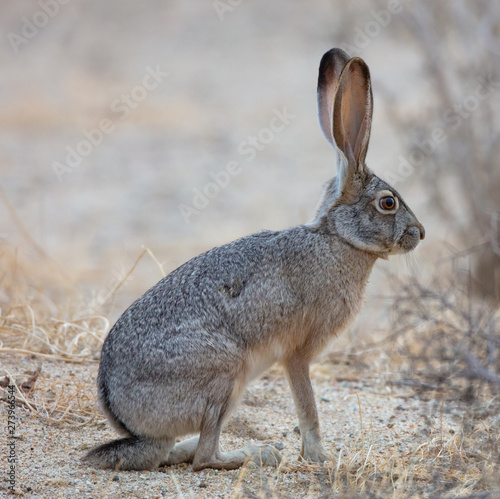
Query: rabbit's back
(231, 295)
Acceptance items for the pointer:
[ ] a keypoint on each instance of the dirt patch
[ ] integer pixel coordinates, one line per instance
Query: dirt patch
(378, 436)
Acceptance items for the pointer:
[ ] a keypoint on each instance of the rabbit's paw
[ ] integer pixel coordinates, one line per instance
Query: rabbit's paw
(315, 456)
(262, 455)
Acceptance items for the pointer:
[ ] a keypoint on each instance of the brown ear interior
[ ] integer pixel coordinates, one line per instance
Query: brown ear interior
(353, 110)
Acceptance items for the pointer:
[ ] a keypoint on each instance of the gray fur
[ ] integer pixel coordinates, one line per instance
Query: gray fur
(179, 358)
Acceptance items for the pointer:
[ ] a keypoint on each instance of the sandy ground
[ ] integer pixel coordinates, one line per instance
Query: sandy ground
(394, 425)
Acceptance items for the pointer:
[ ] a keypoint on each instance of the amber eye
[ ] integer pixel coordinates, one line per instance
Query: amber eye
(387, 203)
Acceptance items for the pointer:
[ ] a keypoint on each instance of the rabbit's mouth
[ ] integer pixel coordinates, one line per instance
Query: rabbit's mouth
(407, 242)
(410, 239)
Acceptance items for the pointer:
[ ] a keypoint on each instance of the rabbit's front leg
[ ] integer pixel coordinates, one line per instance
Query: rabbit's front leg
(297, 368)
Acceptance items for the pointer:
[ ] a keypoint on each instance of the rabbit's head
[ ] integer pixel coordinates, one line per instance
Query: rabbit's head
(357, 205)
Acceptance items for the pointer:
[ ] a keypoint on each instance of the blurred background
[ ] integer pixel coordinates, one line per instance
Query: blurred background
(121, 120)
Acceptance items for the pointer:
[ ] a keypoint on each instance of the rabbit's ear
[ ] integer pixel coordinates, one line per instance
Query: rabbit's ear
(330, 69)
(352, 114)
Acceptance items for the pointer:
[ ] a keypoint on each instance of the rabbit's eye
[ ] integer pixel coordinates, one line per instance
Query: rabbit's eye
(387, 203)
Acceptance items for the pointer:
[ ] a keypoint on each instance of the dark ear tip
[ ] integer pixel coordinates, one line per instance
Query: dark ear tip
(338, 52)
(334, 54)
(331, 65)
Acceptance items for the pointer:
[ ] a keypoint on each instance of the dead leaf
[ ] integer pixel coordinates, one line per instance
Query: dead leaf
(27, 386)
(5, 382)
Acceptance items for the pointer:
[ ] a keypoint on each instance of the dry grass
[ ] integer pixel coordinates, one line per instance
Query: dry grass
(39, 318)
(447, 341)
(41, 312)
(436, 462)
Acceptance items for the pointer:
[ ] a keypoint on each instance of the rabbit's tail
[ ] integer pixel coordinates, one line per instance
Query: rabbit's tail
(132, 453)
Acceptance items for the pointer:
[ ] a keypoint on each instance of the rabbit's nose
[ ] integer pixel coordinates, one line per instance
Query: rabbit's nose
(416, 231)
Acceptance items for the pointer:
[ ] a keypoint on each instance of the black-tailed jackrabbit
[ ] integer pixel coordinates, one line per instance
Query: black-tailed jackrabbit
(179, 359)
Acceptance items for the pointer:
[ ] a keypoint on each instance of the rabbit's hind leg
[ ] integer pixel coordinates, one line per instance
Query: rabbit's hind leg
(183, 452)
(208, 454)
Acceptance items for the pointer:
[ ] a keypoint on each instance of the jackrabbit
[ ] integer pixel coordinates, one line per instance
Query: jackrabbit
(179, 359)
